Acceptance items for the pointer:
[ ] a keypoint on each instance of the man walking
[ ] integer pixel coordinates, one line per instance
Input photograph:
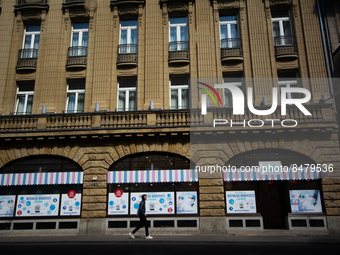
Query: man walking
(142, 217)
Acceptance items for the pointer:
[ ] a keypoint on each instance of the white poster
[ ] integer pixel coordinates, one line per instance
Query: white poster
(241, 201)
(118, 205)
(157, 202)
(70, 205)
(305, 201)
(186, 202)
(37, 205)
(7, 206)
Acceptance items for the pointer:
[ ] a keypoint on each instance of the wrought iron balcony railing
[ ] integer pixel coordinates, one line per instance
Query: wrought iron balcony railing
(77, 55)
(231, 47)
(179, 50)
(27, 57)
(127, 53)
(20, 2)
(285, 45)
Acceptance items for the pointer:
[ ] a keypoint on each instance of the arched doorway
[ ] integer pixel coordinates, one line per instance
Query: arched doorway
(272, 195)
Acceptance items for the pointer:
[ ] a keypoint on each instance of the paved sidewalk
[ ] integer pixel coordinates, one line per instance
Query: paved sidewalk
(202, 239)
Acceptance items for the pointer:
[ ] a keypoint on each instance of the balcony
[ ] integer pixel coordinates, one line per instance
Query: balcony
(231, 49)
(285, 46)
(127, 54)
(76, 57)
(31, 4)
(27, 59)
(178, 52)
(137, 120)
(73, 3)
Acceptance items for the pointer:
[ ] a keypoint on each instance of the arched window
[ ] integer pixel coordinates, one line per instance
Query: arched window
(156, 161)
(43, 163)
(252, 158)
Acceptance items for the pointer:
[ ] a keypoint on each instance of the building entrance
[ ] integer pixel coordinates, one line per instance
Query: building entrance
(273, 203)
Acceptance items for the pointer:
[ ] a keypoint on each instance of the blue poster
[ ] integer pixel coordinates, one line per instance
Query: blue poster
(7, 206)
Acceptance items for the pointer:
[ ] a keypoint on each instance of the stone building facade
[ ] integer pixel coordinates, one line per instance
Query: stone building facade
(100, 87)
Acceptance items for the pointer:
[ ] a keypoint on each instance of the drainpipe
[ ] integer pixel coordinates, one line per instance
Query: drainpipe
(322, 27)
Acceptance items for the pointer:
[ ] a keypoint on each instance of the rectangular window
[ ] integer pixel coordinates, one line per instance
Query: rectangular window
(31, 42)
(24, 101)
(289, 80)
(282, 29)
(236, 80)
(229, 31)
(75, 96)
(127, 95)
(79, 39)
(128, 36)
(178, 34)
(179, 92)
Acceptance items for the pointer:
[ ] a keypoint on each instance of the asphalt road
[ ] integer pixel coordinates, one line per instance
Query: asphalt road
(150, 248)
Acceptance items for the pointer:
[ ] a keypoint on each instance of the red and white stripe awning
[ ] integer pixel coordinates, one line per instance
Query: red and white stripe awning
(41, 178)
(152, 176)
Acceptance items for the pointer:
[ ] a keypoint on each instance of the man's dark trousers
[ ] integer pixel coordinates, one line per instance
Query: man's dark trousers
(142, 223)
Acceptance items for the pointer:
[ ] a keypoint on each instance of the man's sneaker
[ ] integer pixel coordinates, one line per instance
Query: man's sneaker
(132, 235)
(148, 237)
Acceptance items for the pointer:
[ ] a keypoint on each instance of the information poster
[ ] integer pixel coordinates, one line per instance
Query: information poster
(118, 205)
(37, 205)
(157, 203)
(70, 204)
(241, 201)
(186, 202)
(7, 206)
(305, 201)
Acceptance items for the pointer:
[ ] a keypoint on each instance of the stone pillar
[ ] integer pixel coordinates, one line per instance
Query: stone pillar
(331, 196)
(212, 206)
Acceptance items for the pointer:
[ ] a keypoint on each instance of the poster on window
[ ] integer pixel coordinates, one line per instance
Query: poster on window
(118, 205)
(7, 206)
(37, 205)
(186, 202)
(70, 204)
(305, 201)
(157, 203)
(241, 201)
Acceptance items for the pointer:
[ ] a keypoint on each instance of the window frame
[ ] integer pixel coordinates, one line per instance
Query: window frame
(281, 27)
(228, 23)
(80, 31)
(178, 29)
(127, 96)
(236, 83)
(128, 35)
(27, 94)
(76, 92)
(33, 34)
(179, 95)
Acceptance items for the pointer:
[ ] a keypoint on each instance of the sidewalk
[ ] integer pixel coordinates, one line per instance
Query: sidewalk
(188, 239)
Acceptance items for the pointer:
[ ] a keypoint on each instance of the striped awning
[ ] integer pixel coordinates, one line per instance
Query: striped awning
(41, 178)
(287, 174)
(152, 176)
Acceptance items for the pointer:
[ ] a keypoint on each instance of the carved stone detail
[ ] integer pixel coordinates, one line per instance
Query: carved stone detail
(31, 15)
(229, 4)
(128, 10)
(276, 2)
(178, 8)
(79, 13)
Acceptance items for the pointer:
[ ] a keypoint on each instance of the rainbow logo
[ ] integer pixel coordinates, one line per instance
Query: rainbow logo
(209, 93)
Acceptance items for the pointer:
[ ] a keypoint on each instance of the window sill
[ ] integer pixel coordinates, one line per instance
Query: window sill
(287, 55)
(232, 58)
